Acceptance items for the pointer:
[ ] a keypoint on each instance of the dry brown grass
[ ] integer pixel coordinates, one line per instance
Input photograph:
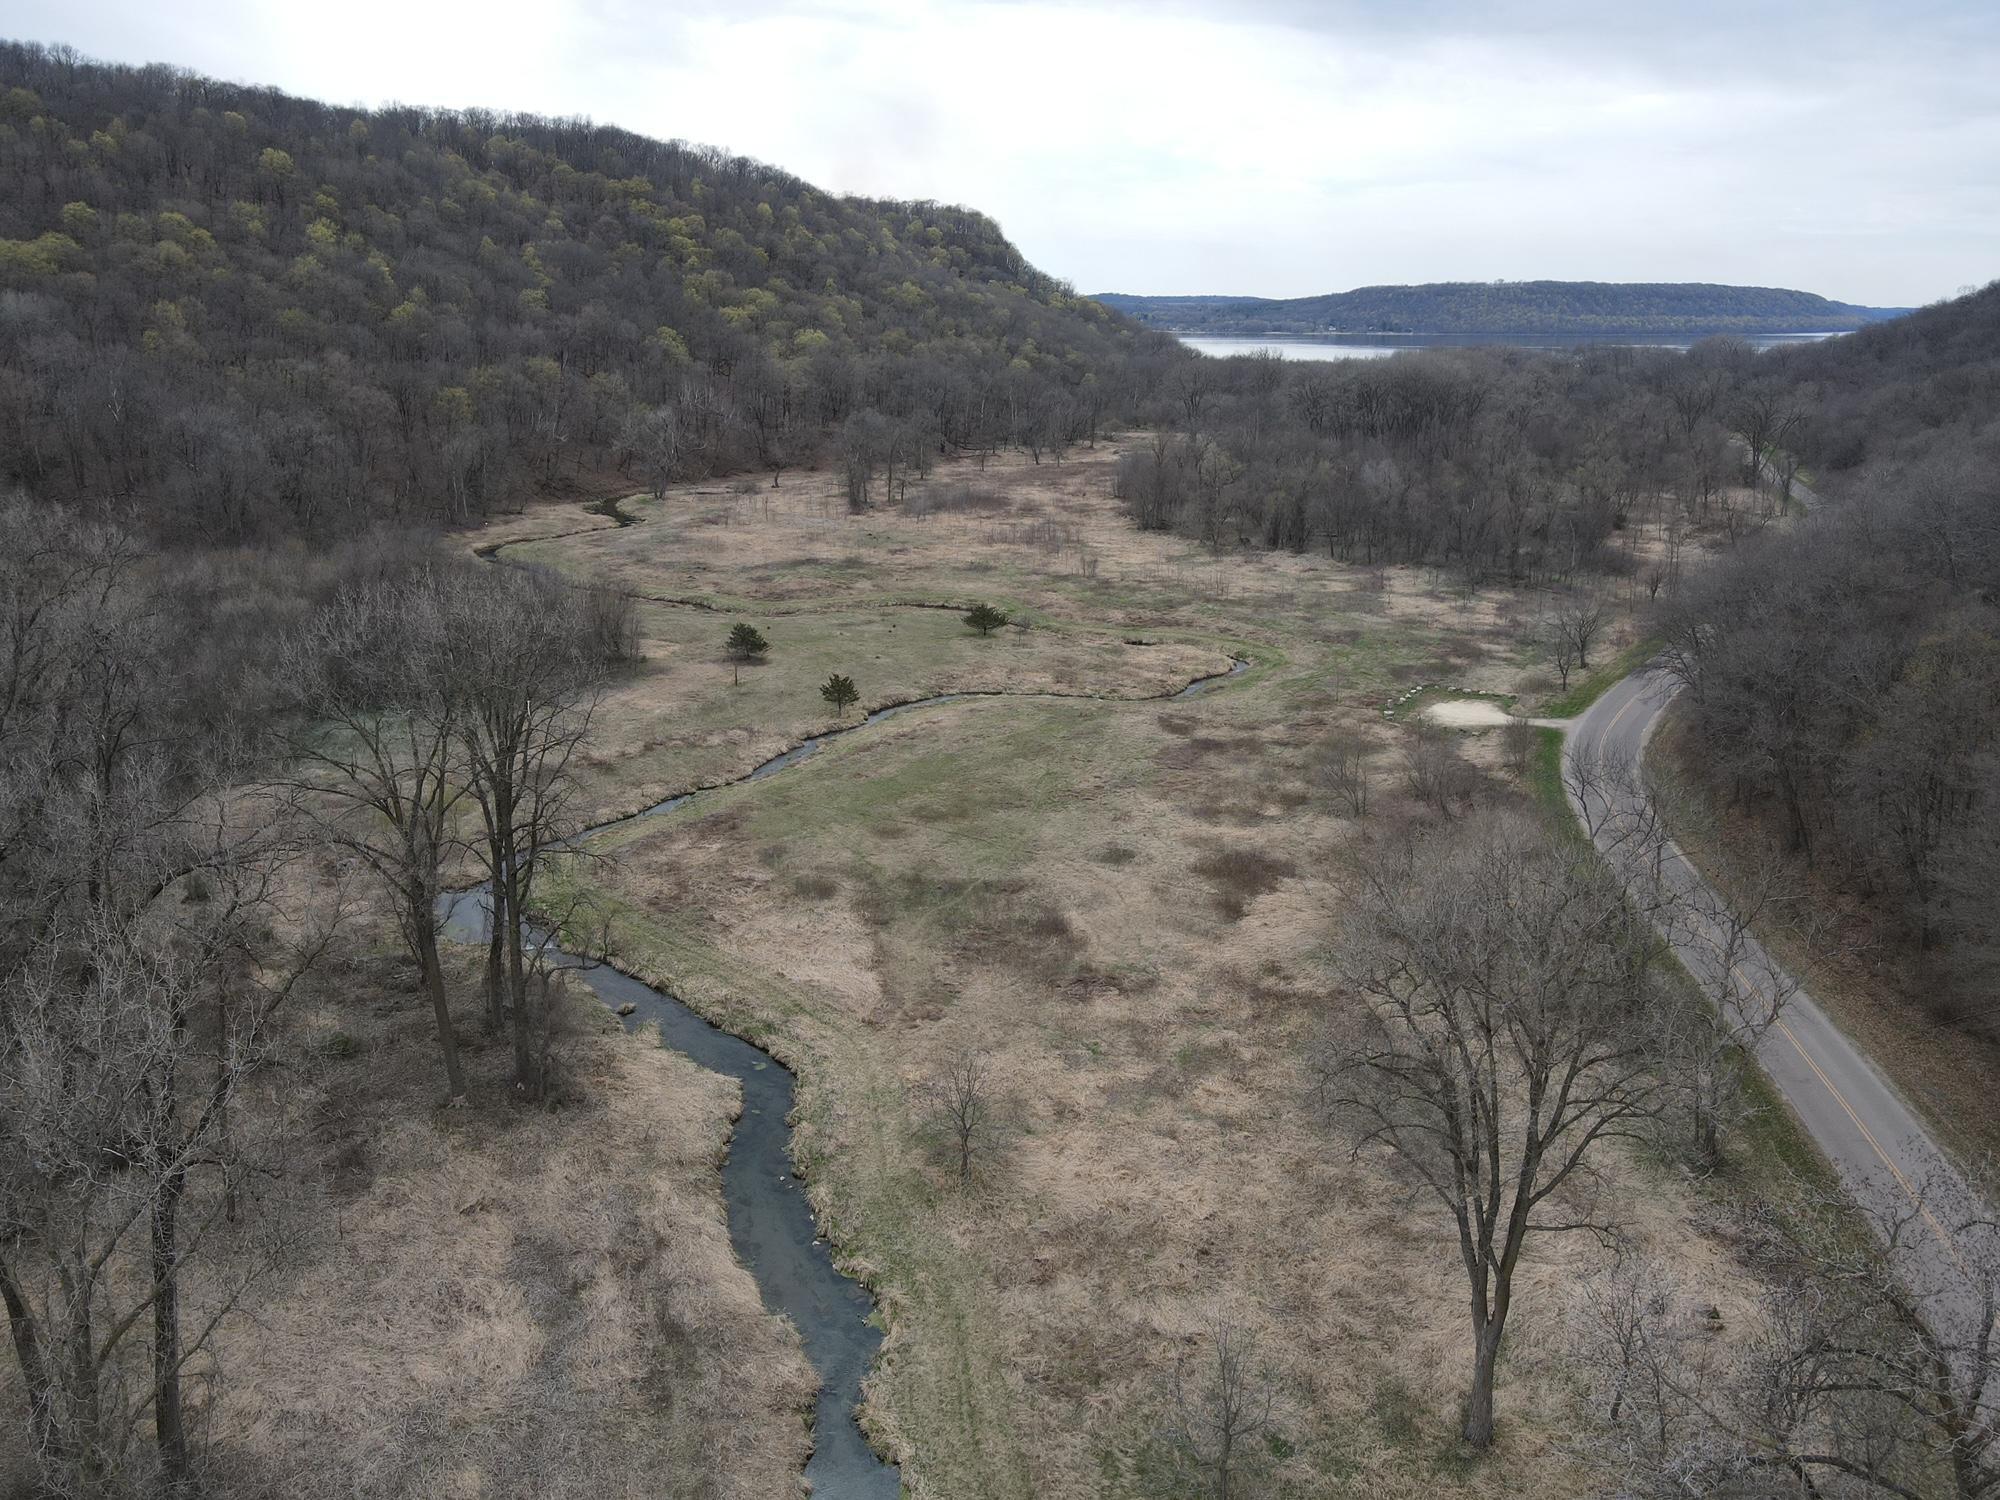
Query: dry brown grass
(491, 1300)
(1121, 906)
(1240, 876)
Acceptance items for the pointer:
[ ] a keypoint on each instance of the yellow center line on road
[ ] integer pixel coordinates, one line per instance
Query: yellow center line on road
(1818, 1072)
(1867, 1135)
(1630, 704)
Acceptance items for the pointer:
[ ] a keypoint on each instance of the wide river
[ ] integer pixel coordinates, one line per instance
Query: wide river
(1380, 345)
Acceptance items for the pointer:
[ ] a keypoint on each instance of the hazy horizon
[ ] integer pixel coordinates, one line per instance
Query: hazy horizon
(1334, 291)
(1271, 149)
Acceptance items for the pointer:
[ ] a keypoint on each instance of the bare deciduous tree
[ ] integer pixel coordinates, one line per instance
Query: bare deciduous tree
(1705, 1033)
(1435, 773)
(1708, 1036)
(1341, 767)
(1646, 1352)
(1572, 628)
(653, 440)
(1491, 1038)
(959, 1102)
(1764, 415)
(138, 979)
(1222, 1401)
(379, 747)
(526, 690)
(1873, 1367)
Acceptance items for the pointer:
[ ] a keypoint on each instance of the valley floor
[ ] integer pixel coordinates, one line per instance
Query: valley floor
(1119, 901)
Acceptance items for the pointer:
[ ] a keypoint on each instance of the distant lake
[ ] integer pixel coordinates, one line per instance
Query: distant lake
(1379, 345)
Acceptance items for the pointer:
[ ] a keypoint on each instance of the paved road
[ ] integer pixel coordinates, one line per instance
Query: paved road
(1881, 1151)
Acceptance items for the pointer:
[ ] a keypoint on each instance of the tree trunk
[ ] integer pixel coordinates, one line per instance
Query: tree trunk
(496, 1004)
(1707, 1135)
(79, 1439)
(169, 1430)
(440, 1007)
(1477, 1431)
(28, 1350)
(525, 1071)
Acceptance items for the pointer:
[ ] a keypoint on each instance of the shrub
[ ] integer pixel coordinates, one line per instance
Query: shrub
(985, 619)
(840, 691)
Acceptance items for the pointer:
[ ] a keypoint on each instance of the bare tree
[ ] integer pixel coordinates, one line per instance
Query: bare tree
(958, 1101)
(1647, 1353)
(1223, 1399)
(1764, 415)
(1572, 628)
(1189, 389)
(1435, 773)
(653, 440)
(1341, 767)
(380, 751)
(1873, 1367)
(526, 689)
(1706, 1033)
(138, 981)
(1491, 1038)
(1709, 1035)
(1894, 1353)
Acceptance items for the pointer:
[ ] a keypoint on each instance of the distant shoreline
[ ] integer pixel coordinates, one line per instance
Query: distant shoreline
(1294, 336)
(1516, 310)
(1295, 346)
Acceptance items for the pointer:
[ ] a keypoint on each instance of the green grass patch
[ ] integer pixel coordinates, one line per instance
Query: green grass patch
(1545, 780)
(1580, 695)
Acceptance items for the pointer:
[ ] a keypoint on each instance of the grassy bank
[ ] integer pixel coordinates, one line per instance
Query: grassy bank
(1581, 694)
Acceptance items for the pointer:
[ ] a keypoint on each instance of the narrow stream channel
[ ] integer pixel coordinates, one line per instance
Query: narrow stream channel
(770, 1223)
(812, 743)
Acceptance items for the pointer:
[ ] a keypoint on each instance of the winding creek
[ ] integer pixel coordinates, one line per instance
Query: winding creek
(771, 1225)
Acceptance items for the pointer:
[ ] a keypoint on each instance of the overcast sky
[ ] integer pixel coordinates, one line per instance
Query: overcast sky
(1258, 147)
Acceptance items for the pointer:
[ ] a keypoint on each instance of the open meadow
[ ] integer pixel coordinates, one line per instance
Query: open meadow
(1117, 901)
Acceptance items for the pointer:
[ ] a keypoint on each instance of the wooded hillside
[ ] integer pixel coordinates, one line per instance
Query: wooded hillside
(1844, 675)
(250, 314)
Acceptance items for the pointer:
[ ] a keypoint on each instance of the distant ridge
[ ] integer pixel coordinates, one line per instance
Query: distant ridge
(1510, 307)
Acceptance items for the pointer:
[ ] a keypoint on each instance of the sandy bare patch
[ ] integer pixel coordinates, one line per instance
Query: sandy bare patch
(1467, 713)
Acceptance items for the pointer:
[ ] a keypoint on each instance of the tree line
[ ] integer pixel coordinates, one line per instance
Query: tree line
(188, 814)
(1843, 682)
(1843, 675)
(1496, 465)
